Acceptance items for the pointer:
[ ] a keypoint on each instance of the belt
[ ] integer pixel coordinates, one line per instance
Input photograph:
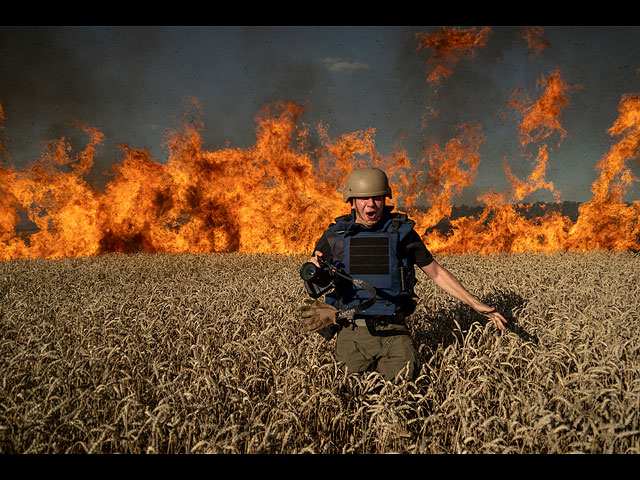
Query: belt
(378, 320)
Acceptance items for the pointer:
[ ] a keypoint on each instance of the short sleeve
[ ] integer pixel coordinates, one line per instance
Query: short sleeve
(413, 245)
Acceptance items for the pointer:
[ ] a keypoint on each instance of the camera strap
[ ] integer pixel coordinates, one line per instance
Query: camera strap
(349, 313)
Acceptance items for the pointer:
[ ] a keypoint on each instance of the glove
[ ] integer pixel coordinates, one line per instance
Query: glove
(317, 315)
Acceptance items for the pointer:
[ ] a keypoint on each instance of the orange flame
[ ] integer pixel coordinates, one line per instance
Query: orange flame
(450, 45)
(278, 195)
(448, 172)
(541, 119)
(533, 37)
(605, 222)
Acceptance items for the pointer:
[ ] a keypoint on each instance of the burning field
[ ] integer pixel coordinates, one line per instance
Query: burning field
(158, 314)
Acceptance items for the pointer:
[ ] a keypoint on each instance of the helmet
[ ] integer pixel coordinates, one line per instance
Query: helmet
(366, 182)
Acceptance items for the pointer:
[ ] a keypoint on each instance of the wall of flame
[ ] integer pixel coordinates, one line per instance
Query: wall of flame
(278, 195)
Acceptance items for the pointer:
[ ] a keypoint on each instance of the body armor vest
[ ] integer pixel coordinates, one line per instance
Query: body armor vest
(371, 254)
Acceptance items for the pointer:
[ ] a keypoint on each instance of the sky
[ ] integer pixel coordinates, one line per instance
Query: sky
(132, 83)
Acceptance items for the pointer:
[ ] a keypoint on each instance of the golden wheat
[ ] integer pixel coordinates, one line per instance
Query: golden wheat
(204, 353)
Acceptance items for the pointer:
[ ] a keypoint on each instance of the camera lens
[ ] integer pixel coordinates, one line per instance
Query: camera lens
(308, 271)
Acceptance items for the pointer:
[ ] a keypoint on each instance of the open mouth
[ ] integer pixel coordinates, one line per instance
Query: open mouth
(370, 215)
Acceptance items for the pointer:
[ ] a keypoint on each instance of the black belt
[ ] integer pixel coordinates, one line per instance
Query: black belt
(378, 320)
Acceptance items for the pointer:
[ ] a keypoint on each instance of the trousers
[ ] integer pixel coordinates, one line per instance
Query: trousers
(387, 349)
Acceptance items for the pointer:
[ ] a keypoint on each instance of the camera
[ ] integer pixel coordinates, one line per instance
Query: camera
(317, 280)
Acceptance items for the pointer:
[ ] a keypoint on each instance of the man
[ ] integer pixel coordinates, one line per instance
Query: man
(379, 247)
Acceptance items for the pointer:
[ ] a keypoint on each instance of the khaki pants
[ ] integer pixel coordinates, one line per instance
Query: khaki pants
(387, 349)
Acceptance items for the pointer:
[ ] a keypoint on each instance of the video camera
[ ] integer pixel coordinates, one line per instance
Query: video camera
(318, 280)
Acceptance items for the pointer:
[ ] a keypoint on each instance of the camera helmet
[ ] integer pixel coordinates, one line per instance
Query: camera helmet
(366, 182)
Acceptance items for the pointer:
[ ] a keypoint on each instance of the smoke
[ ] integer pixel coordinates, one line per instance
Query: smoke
(55, 76)
(132, 82)
(334, 64)
(198, 123)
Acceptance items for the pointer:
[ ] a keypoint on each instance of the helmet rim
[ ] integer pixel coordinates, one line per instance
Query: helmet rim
(366, 182)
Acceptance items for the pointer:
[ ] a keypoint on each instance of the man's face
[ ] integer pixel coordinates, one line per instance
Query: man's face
(368, 210)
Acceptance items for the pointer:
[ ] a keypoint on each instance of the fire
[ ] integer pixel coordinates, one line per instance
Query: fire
(450, 45)
(501, 227)
(262, 199)
(605, 222)
(278, 195)
(447, 171)
(534, 38)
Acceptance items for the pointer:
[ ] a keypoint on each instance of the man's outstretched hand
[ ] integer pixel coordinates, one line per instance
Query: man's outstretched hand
(490, 312)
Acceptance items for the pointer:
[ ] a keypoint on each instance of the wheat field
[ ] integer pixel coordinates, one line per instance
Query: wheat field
(198, 353)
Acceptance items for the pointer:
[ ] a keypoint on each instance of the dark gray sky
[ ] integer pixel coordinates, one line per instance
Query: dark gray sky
(131, 82)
